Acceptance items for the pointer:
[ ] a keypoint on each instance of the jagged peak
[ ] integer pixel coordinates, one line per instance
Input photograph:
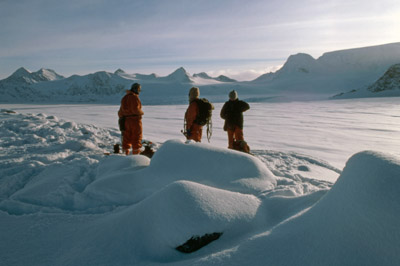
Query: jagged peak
(180, 70)
(119, 71)
(180, 75)
(45, 70)
(45, 74)
(21, 72)
(389, 81)
(203, 75)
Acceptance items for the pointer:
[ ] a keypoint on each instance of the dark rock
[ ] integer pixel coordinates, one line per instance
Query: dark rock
(197, 242)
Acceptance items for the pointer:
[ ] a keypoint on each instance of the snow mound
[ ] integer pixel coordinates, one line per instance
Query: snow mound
(213, 166)
(184, 209)
(176, 160)
(355, 223)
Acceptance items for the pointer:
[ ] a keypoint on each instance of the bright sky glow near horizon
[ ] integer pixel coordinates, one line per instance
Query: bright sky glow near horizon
(240, 39)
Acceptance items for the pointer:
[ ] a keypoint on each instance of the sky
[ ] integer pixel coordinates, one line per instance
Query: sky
(240, 39)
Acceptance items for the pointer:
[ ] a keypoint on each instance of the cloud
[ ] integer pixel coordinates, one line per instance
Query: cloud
(197, 34)
(244, 74)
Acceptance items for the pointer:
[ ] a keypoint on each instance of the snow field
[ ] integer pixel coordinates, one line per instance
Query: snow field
(63, 202)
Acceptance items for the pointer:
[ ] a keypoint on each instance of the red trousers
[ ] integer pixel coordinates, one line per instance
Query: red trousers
(234, 134)
(132, 136)
(196, 132)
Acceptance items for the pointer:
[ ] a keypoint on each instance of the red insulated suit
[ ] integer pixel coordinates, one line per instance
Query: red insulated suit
(131, 109)
(190, 116)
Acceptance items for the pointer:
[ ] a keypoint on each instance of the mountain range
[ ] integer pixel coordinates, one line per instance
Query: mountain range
(301, 77)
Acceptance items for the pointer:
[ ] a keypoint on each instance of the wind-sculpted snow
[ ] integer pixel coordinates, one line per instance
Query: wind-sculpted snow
(63, 202)
(46, 162)
(355, 223)
(175, 160)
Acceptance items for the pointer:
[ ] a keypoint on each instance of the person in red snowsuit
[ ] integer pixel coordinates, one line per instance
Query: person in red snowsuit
(193, 130)
(131, 111)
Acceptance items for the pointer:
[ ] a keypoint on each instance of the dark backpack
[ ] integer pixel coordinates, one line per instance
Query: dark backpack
(205, 112)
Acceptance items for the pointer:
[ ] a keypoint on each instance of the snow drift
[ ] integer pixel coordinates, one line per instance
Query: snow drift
(355, 223)
(175, 160)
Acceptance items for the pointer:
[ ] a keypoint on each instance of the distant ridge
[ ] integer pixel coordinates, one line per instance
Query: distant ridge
(301, 77)
(22, 75)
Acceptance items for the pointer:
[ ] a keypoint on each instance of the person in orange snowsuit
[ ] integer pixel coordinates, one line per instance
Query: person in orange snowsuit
(193, 130)
(131, 111)
(232, 113)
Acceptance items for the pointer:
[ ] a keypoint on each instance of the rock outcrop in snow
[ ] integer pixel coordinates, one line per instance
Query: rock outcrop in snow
(386, 86)
(389, 81)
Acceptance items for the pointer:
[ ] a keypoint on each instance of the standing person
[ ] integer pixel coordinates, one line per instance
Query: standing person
(232, 113)
(131, 112)
(193, 130)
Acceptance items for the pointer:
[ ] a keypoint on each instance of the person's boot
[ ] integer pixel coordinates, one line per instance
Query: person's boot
(136, 151)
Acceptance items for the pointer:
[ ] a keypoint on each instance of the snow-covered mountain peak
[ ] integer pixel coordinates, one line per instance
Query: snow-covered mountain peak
(299, 60)
(298, 63)
(46, 75)
(180, 75)
(150, 77)
(223, 78)
(103, 74)
(119, 71)
(203, 75)
(179, 72)
(22, 75)
(21, 72)
(203, 78)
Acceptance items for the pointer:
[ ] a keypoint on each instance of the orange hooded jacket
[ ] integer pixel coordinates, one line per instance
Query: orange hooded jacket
(131, 109)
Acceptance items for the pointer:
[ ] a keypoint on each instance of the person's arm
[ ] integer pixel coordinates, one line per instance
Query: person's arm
(223, 112)
(245, 106)
(191, 115)
(123, 108)
(136, 108)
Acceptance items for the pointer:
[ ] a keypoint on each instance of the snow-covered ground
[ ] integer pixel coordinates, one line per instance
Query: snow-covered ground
(63, 202)
(328, 130)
